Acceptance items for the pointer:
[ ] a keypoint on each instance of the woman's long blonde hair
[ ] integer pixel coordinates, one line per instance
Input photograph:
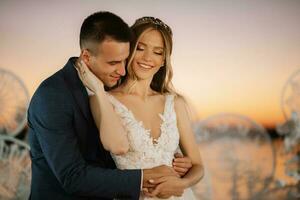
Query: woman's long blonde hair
(162, 80)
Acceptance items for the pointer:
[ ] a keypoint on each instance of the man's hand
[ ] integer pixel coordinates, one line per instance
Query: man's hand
(167, 186)
(154, 173)
(181, 164)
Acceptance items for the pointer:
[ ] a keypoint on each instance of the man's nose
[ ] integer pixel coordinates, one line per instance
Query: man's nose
(121, 69)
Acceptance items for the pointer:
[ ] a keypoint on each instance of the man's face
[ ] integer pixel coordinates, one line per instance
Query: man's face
(109, 62)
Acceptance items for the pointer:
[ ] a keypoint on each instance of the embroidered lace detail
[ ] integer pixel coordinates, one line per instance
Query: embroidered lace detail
(145, 152)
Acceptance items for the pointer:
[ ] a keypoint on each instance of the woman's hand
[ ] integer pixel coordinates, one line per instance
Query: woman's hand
(181, 164)
(89, 79)
(167, 186)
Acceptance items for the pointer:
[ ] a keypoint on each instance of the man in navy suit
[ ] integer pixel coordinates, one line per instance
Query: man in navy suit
(69, 161)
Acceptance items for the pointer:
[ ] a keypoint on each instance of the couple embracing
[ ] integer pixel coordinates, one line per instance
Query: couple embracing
(109, 124)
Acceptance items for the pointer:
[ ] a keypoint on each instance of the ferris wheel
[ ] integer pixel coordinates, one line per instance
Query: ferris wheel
(15, 169)
(14, 100)
(290, 96)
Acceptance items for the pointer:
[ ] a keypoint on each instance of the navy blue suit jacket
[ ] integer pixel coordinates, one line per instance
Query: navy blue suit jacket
(68, 159)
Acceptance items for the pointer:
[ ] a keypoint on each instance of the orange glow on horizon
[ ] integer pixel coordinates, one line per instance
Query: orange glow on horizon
(227, 57)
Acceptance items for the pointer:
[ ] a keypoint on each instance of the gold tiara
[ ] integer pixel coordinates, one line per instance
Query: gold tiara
(155, 21)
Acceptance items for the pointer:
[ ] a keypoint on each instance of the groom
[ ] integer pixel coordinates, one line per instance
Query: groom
(69, 161)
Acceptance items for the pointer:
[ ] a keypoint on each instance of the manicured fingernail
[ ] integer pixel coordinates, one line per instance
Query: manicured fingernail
(151, 181)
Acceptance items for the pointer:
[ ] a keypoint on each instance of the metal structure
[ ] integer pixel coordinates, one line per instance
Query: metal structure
(238, 155)
(14, 100)
(290, 95)
(15, 165)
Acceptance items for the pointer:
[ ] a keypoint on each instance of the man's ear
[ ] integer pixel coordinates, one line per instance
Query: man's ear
(86, 57)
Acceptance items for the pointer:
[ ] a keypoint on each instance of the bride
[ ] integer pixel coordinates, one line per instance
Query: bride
(150, 120)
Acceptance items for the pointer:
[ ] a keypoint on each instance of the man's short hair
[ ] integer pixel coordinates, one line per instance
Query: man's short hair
(100, 26)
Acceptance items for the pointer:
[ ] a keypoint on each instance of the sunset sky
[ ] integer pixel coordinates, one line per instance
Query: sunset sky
(229, 56)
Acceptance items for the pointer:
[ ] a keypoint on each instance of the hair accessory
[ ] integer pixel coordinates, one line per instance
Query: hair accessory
(153, 20)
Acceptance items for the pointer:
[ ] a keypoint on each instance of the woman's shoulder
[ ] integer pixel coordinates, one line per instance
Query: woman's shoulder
(180, 103)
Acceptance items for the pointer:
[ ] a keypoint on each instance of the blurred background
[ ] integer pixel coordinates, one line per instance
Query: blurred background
(237, 62)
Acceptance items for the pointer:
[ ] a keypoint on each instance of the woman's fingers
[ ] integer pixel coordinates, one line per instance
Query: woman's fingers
(178, 155)
(155, 192)
(180, 170)
(159, 180)
(83, 65)
(182, 164)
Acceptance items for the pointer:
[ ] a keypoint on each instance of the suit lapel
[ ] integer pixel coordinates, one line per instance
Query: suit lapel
(82, 100)
(77, 88)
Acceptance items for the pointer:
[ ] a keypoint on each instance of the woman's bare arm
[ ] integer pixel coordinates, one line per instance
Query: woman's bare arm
(188, 143)
(111, 131)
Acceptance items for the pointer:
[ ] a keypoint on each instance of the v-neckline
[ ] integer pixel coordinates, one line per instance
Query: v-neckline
(141, 123)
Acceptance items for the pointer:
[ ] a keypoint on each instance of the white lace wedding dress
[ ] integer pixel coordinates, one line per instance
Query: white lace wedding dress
(144, 151)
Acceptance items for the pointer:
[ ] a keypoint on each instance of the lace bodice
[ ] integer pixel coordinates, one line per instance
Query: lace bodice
(145, 152)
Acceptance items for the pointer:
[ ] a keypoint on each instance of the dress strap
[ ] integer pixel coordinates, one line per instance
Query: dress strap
(169, 105)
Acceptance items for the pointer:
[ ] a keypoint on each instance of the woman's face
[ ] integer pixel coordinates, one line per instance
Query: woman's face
(149, 55)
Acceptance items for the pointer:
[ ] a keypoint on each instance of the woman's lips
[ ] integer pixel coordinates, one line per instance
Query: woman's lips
(145, 66)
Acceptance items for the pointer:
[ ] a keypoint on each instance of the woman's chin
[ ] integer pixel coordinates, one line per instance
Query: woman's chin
(143, 76)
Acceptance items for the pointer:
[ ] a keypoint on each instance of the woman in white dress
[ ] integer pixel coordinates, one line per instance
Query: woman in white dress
(150, 120)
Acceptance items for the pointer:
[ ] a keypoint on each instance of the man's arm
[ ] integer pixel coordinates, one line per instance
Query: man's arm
(51, 117)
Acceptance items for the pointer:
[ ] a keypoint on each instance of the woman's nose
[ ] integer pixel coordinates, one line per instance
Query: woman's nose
(146, 56)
